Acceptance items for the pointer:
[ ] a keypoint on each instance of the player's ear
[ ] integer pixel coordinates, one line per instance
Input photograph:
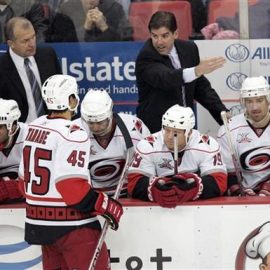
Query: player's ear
(73, 101)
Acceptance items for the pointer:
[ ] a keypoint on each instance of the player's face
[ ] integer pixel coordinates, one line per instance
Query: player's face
(169, 134)
(3, 134)
(256, 108)
(163, 39)
(24, 43)
(99, 128)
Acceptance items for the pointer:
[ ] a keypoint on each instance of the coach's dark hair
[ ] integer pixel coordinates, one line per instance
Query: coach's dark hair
(10, 25)
(163, 19)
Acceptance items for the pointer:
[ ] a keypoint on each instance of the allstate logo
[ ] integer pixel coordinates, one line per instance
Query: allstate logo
(15, 253)
(235, 80)
(237, 52)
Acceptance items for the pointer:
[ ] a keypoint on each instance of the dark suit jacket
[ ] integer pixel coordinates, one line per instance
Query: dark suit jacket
(159, 84)
(11, 86)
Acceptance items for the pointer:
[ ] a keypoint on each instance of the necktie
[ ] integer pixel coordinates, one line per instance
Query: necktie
(176, 64)
(34, 88)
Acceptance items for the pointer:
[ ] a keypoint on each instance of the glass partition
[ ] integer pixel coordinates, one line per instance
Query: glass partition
(127, 20)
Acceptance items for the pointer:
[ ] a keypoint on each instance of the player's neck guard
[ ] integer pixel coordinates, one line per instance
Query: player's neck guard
(260, 124)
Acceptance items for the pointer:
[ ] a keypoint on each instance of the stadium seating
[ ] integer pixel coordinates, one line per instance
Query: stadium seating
(225, 8)
(141, 12)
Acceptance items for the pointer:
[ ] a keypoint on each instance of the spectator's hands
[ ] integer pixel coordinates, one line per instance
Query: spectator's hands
(208, 65)
(89, 21)
(96, 18)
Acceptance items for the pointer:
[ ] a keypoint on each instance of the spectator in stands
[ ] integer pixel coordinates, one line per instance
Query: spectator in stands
(12, 136)
(108, 133)
(169, 71)
(98, 20)
(249, 132)
(177, 164)
(27, 8)
(198, 11)
(52, 4)
(24, 67)
(228, 27)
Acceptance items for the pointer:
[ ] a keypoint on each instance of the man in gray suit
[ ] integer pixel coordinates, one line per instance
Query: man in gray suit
(14, 77)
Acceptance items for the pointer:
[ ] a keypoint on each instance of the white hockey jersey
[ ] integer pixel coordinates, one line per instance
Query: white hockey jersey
(201, 155)
(106, 164)
(54, 150)
(10, 158)
(252, 148)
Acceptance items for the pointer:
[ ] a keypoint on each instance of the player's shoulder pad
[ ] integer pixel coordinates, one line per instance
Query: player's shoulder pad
(204, 142)
(133, 123)
(148, 144)
(235, 122)
(76, 132)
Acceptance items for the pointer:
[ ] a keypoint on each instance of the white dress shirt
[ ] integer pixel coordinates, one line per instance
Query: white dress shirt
(188, 73)
(19, 63)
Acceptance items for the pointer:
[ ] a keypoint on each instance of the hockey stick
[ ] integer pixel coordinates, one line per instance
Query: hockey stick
(129, 158)
(233, 153)
(175, 154)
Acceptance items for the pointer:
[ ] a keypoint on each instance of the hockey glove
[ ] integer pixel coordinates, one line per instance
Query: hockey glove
(234, 190)
(9, 190)
(264, 189)
(110, 209)
(188, 186)
(161, 191)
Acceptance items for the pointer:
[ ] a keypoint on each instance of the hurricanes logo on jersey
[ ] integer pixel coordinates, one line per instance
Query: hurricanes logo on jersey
(243, 138)
(166, 164)
(256, 159)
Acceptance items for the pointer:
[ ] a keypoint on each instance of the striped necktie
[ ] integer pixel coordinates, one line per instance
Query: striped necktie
(34, 88)
(176, 64)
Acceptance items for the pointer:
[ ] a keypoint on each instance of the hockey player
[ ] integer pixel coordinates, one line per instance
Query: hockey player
(250, 132)
(61, 204)
(12, 136)
(198, 170)
(107, 136)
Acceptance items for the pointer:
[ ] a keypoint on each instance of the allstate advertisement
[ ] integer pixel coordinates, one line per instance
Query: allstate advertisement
(105, 65)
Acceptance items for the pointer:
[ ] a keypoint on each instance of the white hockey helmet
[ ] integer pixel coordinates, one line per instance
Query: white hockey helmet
(9, 112)
(180, 118)
(254, 87)
(96, 106)
(56, 91)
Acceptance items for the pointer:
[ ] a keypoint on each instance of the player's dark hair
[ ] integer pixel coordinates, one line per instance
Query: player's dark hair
(163, 19)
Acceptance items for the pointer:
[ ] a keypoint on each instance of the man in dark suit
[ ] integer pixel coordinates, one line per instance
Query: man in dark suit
(14, 80)
(169, 71)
